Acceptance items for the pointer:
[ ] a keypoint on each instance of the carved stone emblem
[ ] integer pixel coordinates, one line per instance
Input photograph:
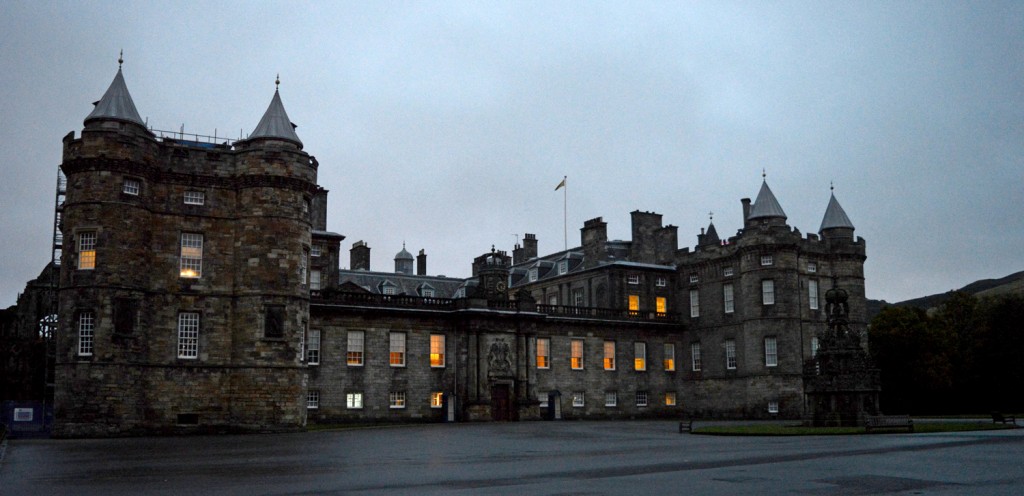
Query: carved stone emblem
(499, 359)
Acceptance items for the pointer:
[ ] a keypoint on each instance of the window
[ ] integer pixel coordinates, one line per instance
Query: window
(670, 399)
(427, 292)
(543, 353)
(640, 356)
(611, 398)
(728, 298)
(532, 274)
(354, 401)
(303, 266)
(634, 304)
(191, 265)
(576, 354)
(814, 346)
(188, 335)
(694, 303)
(195, 198)
(578, 399)
(661, 304)
(812, 267)
(695, 363)
(86, 332)
(397, 349)
(437, 350)
(771, 353)
(609, 355)
(773, 406)
(313, 347)
(767, 260)
(669, 359)
(542, 398)
(694, 279)
(313, 399)
(302, 344)
(553, 300)
(87, 250)
(436, 399)
(727, 271)
(396, 399)
(812, 294)
(314, 280)
(131, 187)
(768, 292)
(633, 279)
(577, 297)
(354, 355)
(125, 310)
(388, 290)
(661, 282)
(273, 322)
(563, 267)
(641, 398)
(315, 250)
(730, 354)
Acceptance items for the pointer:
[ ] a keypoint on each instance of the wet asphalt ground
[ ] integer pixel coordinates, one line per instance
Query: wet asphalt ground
(536, 458)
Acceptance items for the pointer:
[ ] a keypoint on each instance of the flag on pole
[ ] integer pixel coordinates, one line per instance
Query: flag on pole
(561, 184)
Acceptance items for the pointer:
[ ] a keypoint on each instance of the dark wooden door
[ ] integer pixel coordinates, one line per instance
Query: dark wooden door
(501, 404)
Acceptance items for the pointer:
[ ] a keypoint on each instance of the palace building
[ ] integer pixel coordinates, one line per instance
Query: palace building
(200, 291)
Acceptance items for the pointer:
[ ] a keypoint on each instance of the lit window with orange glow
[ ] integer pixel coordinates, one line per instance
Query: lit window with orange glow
(354, 355)
(576, 354)
(634, 303)
(437, 350)
(543, 353)
(662, 304)
(436, 399)
(191, 265)
(670, 399)
(640, 356)
(87, 250)
(609, 355)
(396, 355)
(670, 357)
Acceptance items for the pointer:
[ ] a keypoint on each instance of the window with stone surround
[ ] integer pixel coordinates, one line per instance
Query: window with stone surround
(131, 186)
(609, 355)
(195, 198)
(313, 347)
(191, 264)
(812, 294)
(669, 357)
(661, 305)
(436, 399)
(304, 266)
(768, 292)
(313, 399)
(542, 398)
(396, 399)
(396, 355)
(695, 360)
(87, 250)
(543, 353)
(730, 354)
(577, 297)
(694, 279)
(633, 279)
(273, 321)
(314, 280)
(670, 398)
(640, 356)
(661, 282)
(727, 271)
(771, 352)
(576, 354)
(315, 250)
(694, 303)
(354, 353)
(437, 350)
(86, 332)
(634, 304)
(812, 267)
(578, 399)
(354, 401)
(188, 335)
(611, 398)
(773, 406)
(728, 298)
(767, 260)
(641, 399)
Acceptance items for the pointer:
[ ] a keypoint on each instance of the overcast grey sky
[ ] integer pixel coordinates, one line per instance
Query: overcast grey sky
(448, 125)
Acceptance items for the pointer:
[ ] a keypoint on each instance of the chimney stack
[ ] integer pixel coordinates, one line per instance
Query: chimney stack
(359, 256)
(421, 263)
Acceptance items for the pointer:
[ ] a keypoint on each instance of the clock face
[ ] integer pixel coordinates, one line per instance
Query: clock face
(499, 287)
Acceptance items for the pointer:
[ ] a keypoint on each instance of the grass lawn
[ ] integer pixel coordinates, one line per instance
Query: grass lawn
(799, 430)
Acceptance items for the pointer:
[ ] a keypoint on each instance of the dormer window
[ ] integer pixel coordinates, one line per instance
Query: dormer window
(563, 267)
(388, 290)
(633, 279)
(767, 260)
(131, 187)
(532, 274)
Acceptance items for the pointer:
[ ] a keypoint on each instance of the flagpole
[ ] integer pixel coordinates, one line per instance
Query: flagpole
(565, 213)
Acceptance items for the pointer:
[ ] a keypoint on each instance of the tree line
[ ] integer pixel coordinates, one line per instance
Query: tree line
(965, 356)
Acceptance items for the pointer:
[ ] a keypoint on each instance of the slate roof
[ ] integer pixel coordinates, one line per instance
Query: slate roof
(404, 284)
(835, 216)
(116, 104)
(275, 123)
(766, 206)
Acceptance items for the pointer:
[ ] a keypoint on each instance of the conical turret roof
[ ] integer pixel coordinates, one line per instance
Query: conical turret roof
(275, 123)
(711, 236)
(835, 216)
(116, 104)
(403, 255)
(766, 206)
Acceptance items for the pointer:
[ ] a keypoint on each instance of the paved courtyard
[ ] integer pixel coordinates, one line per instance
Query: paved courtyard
(558, 458)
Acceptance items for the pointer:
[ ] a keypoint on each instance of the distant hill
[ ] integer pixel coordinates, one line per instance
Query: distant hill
(1013, 283)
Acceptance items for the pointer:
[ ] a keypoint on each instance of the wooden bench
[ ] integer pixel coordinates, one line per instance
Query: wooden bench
(889, 422)
(685, 425)
(998, 417)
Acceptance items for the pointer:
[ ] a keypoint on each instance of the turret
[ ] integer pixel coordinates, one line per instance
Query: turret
(403, 262)
(766, 209)
(836, 224)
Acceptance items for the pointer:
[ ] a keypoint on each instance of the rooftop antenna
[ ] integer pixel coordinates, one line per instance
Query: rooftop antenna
(120, 59)
(517, 238)
(277, 82)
